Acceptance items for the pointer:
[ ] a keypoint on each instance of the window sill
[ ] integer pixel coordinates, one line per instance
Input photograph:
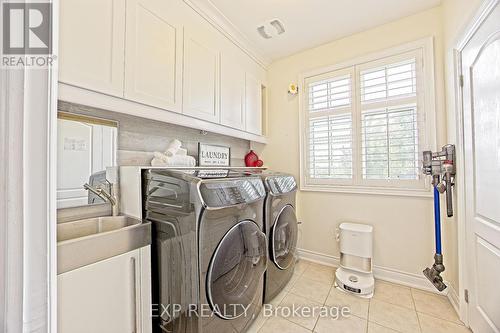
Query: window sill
(400, 192)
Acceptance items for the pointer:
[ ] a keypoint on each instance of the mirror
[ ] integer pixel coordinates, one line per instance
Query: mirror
(86, 146)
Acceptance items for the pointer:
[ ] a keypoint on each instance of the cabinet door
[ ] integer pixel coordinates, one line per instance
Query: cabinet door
(201, 76)
(154, 53)
(101, 298)
(91, 44)
(253, 109)
(232, 93)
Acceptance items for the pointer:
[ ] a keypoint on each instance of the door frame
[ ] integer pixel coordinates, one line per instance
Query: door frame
(463, 39)
(29, 145)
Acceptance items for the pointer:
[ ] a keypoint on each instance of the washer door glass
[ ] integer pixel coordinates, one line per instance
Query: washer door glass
(236, 268)
(284, 238)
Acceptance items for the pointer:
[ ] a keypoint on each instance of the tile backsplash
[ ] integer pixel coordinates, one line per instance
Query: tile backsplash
(139, 137)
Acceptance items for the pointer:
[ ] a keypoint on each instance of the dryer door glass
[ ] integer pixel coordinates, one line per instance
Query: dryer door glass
(236, 268)
(284, 238)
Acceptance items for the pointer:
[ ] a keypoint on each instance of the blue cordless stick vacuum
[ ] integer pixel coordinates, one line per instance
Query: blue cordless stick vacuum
(441, 166)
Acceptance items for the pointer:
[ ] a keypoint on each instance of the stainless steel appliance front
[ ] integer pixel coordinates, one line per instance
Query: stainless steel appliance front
(209, 252)
(281, 228)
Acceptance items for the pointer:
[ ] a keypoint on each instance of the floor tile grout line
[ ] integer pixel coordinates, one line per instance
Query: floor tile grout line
(399, 306)
(384, 326)
(411, 290)
(296, 324)
(432, 314)
(324, 303)
(440, 318)
(308, 299)
(415, 305)
(408, 289)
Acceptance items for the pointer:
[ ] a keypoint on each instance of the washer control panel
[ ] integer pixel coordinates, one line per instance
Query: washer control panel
(221, 193)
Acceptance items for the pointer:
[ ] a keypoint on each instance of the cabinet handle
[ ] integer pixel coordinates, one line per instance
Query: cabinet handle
(134, 296)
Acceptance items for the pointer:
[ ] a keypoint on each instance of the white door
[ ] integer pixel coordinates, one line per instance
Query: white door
(232, 92)
(253, 105)
(201, 74)
(153, 56)
(481, 98)
(91, 44)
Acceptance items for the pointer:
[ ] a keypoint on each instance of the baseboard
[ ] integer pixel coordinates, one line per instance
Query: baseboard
(318, 258)
(381, 273)
(453, 298)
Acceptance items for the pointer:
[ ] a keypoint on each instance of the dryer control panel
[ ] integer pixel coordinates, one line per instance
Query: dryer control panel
(219, 193)
(281, 184)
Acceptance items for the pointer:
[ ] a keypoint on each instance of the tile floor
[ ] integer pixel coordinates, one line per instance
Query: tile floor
(393, 308)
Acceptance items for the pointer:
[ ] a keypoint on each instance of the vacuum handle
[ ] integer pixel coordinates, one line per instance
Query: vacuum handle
(449, 196)
(437, 220)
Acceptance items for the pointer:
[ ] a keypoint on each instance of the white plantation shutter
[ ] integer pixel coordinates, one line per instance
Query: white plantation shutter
(389, 82)
(333, 93)
(389, 119)
(330, 147)
(329, 133)
(390, 144)
(365, 124)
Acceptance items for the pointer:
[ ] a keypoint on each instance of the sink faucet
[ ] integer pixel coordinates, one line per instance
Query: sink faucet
(101, 192)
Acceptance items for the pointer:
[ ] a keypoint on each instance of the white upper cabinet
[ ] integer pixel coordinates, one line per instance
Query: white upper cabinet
(162, 60)
(232, 92)
(153, 54)
(91, 42)
(201, 74)
(253, 105)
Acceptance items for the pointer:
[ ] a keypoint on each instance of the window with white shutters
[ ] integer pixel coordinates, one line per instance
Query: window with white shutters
(365, 124)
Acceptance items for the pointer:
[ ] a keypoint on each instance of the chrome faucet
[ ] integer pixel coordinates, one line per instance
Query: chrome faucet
(101, 192)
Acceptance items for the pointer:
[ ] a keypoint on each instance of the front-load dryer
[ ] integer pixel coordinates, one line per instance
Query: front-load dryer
(210, 253)
(281, 228)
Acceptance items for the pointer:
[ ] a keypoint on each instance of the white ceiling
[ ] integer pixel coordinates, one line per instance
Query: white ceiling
(310, 23)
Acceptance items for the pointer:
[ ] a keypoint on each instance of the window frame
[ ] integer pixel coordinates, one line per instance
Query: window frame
(426, 104)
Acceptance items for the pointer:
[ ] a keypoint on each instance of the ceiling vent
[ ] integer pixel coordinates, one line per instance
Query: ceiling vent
(271, 29)
(262, 31)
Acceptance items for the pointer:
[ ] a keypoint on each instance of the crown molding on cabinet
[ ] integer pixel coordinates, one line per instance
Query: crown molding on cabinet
(74, 94)
(216, 18)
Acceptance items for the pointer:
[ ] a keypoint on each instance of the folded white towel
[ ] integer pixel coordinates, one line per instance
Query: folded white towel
(160, 156)
(173, 147)
(182, 152)
(175, 161)
(157, 162)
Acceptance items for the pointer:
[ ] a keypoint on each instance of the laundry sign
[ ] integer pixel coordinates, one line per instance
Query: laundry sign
(213, 155)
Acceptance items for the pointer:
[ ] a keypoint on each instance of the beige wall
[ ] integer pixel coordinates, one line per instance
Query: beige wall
(404, 238)
(456, 15)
